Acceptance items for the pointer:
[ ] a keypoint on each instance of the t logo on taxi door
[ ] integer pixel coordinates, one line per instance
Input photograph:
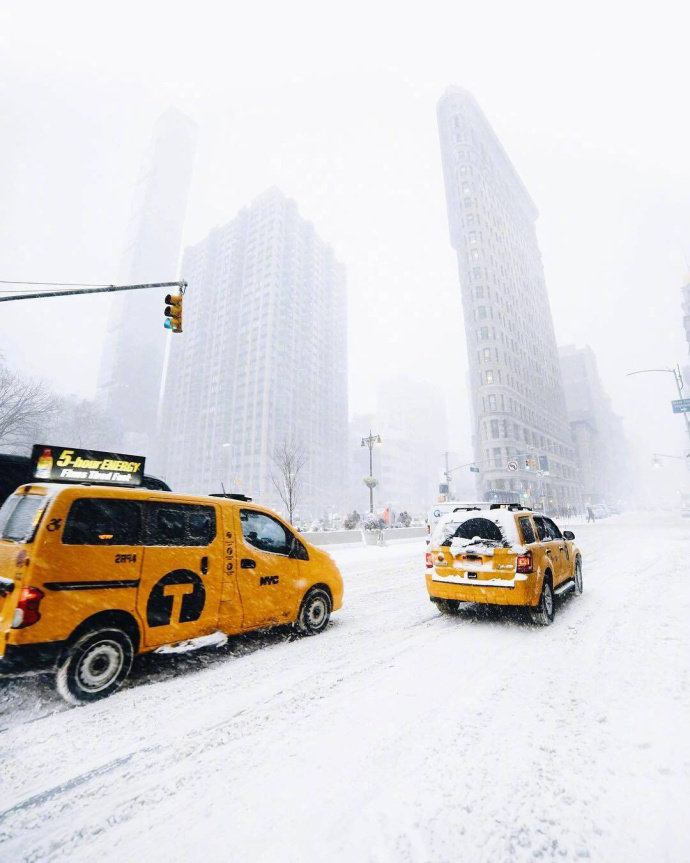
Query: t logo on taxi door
(178, 597)
(268, 579)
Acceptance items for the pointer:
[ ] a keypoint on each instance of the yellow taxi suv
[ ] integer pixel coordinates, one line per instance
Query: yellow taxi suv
(90, 576)
(502, 554)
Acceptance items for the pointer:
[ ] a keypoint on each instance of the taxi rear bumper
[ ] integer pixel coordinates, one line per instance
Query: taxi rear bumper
(516, 590)
(27, 658)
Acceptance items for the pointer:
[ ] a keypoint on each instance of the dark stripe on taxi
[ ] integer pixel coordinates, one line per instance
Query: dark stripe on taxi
(91, 585)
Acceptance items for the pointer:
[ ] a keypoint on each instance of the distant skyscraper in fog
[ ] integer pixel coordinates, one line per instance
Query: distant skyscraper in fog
(597, 432)
(411, 455)
(517, 396)
(263, 360)
(132, 363)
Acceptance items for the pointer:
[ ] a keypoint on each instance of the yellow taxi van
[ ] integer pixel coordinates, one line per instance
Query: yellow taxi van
(92, 575)
(501, 554)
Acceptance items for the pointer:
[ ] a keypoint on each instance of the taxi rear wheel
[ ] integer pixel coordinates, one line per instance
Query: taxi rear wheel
(544, 612)
(95, 666)
(448, 606)
(314, 613)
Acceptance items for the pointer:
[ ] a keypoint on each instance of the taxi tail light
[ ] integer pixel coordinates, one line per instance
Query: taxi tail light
(525, 563)
(429, 561)
(27, 611)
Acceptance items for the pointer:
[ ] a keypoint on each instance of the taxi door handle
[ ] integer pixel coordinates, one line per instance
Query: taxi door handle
(204, 565)
(247, 563)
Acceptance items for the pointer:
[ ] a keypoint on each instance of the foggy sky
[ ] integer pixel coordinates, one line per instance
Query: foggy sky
(337, 108)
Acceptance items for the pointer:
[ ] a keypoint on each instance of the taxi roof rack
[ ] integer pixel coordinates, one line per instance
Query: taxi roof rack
(512, 507)
(230, 496)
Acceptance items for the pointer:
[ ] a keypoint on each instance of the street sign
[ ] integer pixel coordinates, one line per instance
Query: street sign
(512, 465)
(474, 469)
(681, 406)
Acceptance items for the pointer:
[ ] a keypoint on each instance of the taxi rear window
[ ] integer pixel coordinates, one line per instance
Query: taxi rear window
(19, 516)
(469, 528)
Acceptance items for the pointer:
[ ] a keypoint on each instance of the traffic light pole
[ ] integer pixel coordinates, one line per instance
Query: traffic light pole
(109, 289)
(678, 378)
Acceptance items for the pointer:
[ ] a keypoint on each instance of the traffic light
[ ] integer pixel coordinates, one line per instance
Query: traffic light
(173, 313)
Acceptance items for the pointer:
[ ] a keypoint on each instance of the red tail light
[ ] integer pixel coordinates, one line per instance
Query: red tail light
(525, 563)
(429, 561)
(27, 611)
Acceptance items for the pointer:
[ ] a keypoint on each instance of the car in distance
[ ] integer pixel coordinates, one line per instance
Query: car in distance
(502, 554)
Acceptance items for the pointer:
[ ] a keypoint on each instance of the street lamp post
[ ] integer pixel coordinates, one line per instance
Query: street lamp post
(678, 378)
(371, 441)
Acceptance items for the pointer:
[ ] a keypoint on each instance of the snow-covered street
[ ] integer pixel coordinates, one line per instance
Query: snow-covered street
(397, 735)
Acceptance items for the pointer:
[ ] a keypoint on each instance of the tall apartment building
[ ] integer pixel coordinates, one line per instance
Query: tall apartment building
(597, 432)
(132, 363)
(517, 401)
(262, 360)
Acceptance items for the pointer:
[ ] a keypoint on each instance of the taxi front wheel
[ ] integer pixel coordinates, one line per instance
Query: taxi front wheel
(314, 612)
(95, 666)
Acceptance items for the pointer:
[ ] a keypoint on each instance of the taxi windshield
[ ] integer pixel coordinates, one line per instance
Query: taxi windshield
(19, 516)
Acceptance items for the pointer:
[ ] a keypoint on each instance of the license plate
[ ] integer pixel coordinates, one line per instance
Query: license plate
(471, 574)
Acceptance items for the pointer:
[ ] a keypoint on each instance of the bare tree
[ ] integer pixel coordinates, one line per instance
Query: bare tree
(80, 422)
(24, 406)
(289, 461)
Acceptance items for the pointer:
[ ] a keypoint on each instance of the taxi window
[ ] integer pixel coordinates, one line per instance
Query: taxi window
(297, 549)
(553, 529)
(542, 530)
(527, 530)
(6, 511)
(103, 521)
(264, 532)
(19, 517)
(181, 524)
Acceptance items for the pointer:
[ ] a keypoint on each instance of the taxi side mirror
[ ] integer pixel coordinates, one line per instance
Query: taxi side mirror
(568, 534)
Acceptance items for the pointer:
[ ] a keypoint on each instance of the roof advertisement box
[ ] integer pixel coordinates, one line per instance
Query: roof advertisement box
(57, 464)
